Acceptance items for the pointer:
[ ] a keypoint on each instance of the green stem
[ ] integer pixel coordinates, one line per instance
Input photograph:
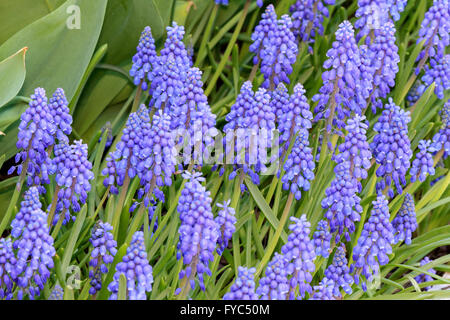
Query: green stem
(228, 50)
(137, 98)
(51, 214)
(119, 204)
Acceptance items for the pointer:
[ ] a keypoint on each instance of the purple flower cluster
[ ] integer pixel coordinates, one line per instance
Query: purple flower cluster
(299, 166)
(243, 287)
(274, 285)
(438, 72)
(355, 149)
(307, 18)
(423, 164)
(73, 174)
(7, 268)
(338, 271)
(299, 254)
(341, 90)
(391, 148)
(226, 222)
(425, 277)
(105, 248)
(279, 100)
(434, 30)
(342, 202)
(143, 59)
(36, 134)
(441, 140)
(61, 115)
(324, 291)
(405, 222)
(135, 267)
(416, 92)
(383, 53)
(34, 246)
(322, 239)
(57, 293)
(266, 25)
(374, 243)
(198, 231)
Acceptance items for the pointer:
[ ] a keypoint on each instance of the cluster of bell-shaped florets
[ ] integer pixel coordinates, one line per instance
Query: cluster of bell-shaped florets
(7, 269)
(155, 155)
(416, 92)
(341, 202)
(57, 293)
(435, 32)
(355, 148)
(267, 25)
(383, 54)
(144, 59)
(441, 140)
(136, 269)
(34, 246)
(391, 148)
(73, 174)
(275, 284)
(438, 72)
(294, 116)
(299, 166)
(423, 164)
(60, 112)
(322, 239)
(299, 254)
(198, 231)
(405, 222)
(226, 222)
(342, 92)
(36, 134)
(324, 290)
(279, 100)
(243, 287)
(119, 163)
(307, 18)
(338, 271)
(366, 70)
(425, 277)
(249, 131)
(279, 53)
(103, 252)
(374, 243)
(372, 14)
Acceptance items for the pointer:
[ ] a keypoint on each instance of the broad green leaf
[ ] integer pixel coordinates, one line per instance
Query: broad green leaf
(12, 75)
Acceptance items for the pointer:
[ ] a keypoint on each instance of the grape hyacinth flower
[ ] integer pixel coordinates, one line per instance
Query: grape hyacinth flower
(295, 115)
(324, 291)
(425, 277)
(391, 148)
(341, 91)
(278, 54)
(61, 115)
(322, 239)
(174, 47)
(441, 140)
(307, 18)
(36, 135)
(423, 164)
(235, 118)
(143, 59)
(405, 222)
(57, 293)
(226, 222)
(274, 285)
(105, 248)
(366, 70)
(341, 202)
(279, 99)
(222, 2)
(135, 267)
(355, 148)
(34, 246)
(439, 73)
(299, 166)
(416, 92)
(73, 175)
(299, 254)
(198, 231)
(434, 31)
(7, 269)
(154, 156)
(119, 162)
(243, 287)
(384, 59)
(338, 271)
(267, 25)
(371, 14)
(374, 243)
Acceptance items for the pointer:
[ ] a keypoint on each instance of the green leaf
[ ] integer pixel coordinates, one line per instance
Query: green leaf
(73, 238)
(13, 69)
(122, 294)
